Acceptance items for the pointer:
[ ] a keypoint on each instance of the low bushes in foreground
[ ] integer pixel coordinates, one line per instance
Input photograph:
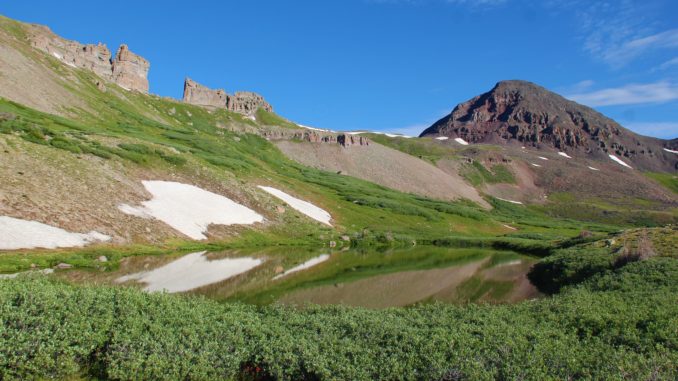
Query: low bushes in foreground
(619, 324)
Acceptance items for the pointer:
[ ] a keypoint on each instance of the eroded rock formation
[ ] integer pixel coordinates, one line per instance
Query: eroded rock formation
(243, 102)
(128, 70)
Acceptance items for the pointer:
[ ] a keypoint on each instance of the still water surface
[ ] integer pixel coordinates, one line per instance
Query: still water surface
(298, 276)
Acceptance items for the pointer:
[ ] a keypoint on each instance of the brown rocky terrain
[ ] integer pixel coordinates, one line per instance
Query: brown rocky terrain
(522, 113)
(243, 102)
(384, 166)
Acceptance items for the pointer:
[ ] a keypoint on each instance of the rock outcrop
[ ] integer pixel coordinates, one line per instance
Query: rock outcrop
(345, 140)
(528, 114)
(197, 94)
(243, 102)
(128, 70)
(246, 102)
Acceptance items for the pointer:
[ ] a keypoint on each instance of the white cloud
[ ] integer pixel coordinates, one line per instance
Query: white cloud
(658, 92)
(665, 130)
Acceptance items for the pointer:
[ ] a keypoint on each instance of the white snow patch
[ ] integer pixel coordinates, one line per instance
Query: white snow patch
(461, 141)
(618, 160)
(563, 154)
(535, 165)
(16, 233)
(191, 271)
(314, 128)
(302, 206)
(542, 157)
(379, 133)
(594, 169)
(251, 117)
(511, 201)
(308, 264)
(190, 209)
(57, 55)
(442, 138)
(509, 227)
(670, 150)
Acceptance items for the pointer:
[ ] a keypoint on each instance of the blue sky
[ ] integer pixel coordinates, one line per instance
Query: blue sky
(394, 65)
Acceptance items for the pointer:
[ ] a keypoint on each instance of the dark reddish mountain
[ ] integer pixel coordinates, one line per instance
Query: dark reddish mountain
(523, 113)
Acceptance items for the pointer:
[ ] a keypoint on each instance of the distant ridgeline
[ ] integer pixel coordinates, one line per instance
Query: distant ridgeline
(130, 71)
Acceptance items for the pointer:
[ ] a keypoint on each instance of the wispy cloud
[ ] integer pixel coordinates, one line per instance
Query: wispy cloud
(657, 92)
(664, 130)
(627, 51)
(667, 64)
(617, 32)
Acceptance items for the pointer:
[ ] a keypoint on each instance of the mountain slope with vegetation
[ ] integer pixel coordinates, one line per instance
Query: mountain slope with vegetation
(77, 151)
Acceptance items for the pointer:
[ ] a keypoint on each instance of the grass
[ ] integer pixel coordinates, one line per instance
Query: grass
(668, 180)
(476, 174)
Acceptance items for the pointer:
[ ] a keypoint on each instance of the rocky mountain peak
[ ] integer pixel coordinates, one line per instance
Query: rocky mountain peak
(521, 112)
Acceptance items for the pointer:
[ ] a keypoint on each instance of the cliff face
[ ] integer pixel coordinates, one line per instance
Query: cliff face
(527, 114)
(243, 102)
(128, 70)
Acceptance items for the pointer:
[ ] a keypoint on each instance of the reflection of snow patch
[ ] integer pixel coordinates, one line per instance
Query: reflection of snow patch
(191, 271)
(300, 205)
(670, 150)
(190, 209)
(618, 160)
(535, 165)
(594, 169)
(442, 138)
(563, 154)
(16, 233)
(14, 275)
(461, 141)
(308, 264)
(511, 201)
(542, 157)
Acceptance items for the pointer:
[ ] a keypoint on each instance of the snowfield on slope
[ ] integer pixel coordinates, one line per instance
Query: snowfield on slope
(191, 271)
(190, 209)
(301, 206)
(308, 264)
(461, 141)
(16, 234)
(670, 150)
(563, 154)
(619, 161)
(442, 138)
